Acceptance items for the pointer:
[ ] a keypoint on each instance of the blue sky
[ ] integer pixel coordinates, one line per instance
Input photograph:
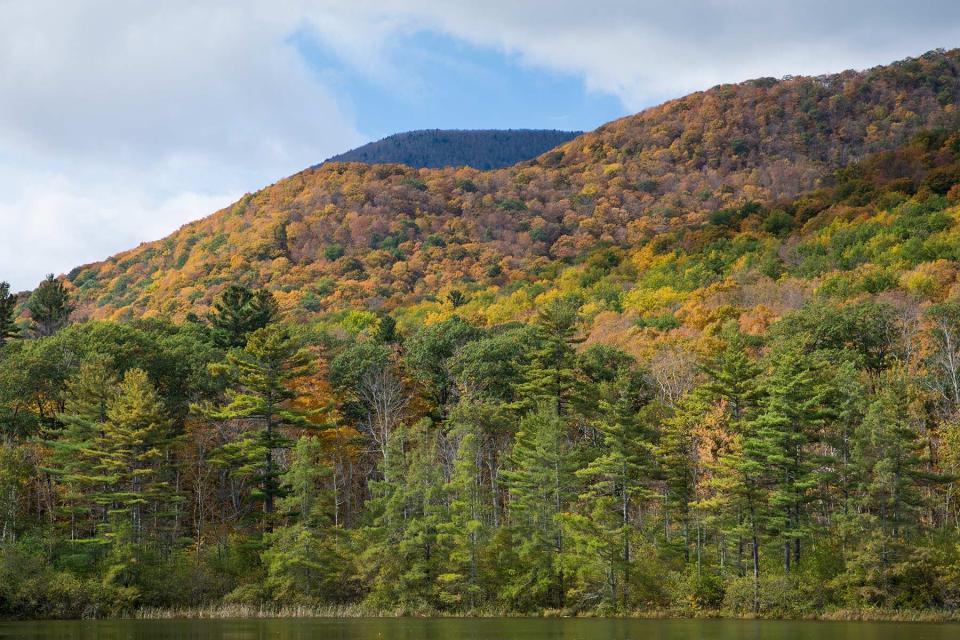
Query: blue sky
(441, 82)
(121, 120)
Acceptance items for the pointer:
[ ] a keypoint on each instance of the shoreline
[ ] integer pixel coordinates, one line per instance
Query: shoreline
(223, 612)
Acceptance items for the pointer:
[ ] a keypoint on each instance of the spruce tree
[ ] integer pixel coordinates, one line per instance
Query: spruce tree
(49, 307)
(8, 304)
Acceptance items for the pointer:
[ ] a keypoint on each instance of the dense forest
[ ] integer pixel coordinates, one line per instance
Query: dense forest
(437, 148)
(388, 237)
(543, 389)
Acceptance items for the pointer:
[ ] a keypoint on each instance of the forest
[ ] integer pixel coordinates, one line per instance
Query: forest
(437, 148)
(756, 412)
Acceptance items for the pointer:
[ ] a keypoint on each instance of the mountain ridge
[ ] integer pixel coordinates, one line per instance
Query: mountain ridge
(386, 235)
(477, 148)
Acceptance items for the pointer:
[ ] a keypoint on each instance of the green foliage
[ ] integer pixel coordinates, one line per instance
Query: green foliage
(8, 304)
(49, 307)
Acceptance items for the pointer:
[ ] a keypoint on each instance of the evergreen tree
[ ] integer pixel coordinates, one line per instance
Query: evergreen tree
(8, 304)
(541, 484)
(89, 394)
(128, 455)
(552, 375)
(465, 532)
(616, 483)
(238, 312)
(261, 378)
(306, 560)
(404, 552)
(789, 421)
(49, 307)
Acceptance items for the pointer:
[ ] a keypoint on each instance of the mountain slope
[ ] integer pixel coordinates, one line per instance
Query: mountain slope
(345, 234)
(438, 148)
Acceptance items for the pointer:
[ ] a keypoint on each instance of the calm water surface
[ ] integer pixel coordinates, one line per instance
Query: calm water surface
(466, 629)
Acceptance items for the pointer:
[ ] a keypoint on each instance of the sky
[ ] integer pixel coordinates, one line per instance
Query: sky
(121, 120)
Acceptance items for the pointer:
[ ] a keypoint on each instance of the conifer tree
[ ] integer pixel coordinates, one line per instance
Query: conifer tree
(404, 556)
(541, 484)
(616, 482)
(89, 394)
(552, 375)
(306, 560)
(261, 378)
(129, 452)
(8, 304)
(49, 307)
(789, 421)
(465, 532)
(238, 312)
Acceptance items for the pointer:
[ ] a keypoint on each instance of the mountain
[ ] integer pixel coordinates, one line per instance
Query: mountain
(438, 148)
(736, 316)
(350, 235)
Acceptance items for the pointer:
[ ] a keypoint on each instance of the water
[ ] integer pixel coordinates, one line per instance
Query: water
(472, 629)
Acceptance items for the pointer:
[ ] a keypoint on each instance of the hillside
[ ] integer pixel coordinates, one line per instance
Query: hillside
(438, 148)
(704, 361)
(354, 235)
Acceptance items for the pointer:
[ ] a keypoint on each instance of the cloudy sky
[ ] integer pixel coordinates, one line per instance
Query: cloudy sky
(120, 120)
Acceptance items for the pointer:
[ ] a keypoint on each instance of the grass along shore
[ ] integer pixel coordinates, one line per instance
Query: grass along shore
(234, 611)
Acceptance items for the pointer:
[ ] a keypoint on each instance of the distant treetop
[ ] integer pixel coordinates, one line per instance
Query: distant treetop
(437, 148)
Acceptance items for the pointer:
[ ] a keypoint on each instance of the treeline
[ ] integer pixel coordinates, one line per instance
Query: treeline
(438, 148)
(449, 467)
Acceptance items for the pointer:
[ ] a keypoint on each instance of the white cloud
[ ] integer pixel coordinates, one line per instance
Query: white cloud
(122, 119)
(646, 50)
(119, 121)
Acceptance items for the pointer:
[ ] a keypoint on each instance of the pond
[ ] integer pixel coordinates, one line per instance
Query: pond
(472, 629)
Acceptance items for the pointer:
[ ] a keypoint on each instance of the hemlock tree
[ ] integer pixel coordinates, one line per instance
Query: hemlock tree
(49, 307)
(262, 377)
(238, 312)
(8, 304)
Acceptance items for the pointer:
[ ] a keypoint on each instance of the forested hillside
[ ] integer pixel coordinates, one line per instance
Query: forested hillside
(438, 148)
(646, 372)
(384, 236)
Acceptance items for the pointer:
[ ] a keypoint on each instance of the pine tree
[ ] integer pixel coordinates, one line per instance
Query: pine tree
(262, 378)
(49, 307)
(552, 375)
(238, 312)
(306, 560)
(8, 304)
(404, 549)
(616, 483)
(789, 421)
(465, 532)
(89, 394)
(129, 453)
(541, 484)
